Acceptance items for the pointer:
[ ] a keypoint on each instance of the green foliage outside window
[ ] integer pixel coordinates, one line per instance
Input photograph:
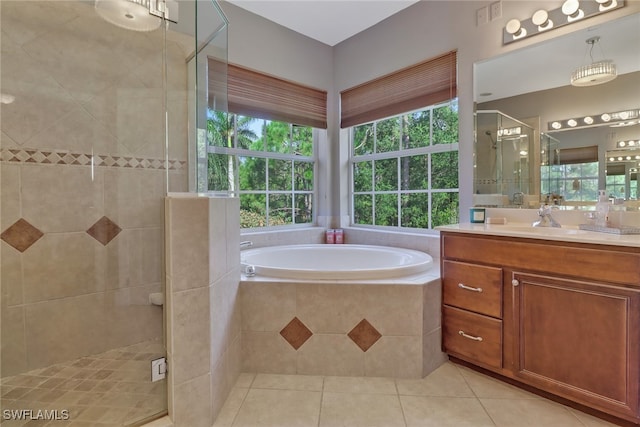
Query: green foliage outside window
(270, 164)
(416, 189)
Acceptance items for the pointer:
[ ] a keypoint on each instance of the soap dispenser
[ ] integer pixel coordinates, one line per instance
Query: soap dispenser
(602, 209)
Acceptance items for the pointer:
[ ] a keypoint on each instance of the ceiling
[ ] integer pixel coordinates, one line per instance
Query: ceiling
(328, 21)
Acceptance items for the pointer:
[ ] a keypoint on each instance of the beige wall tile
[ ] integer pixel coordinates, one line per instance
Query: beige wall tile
(135, 258)
(13, 351)
(11, 275)
(330, 354)
(225, 315)
(331, 308)
(392, 356)
(432, 355)
(394, 309)
(233, 233)
(78, 132)
(191, 346)
(267, 352)
(192, 403)
(52, 326)
(61, 198)
(40, 100)
(267, 306)
(178, 182)
(42, 17)
(187, 243)
(128, 322)
(134, 197)
(9, 195)
(432, 305)
(217, 211)
(62, 265)
(143, 138)
(220, 387)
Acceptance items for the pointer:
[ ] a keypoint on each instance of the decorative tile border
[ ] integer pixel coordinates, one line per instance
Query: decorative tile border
(34, 156)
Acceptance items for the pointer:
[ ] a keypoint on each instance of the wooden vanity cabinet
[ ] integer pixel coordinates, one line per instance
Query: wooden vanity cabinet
(567, 327)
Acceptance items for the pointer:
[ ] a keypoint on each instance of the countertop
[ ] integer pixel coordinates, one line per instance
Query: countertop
(564, 234)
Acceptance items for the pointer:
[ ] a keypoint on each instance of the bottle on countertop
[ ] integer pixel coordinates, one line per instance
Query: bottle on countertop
(602, 209)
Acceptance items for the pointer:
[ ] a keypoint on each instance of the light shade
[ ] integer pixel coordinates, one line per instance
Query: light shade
(594, 74)
(129, 14)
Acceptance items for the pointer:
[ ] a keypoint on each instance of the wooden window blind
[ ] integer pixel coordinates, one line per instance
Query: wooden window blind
(572, 156)
(255, 94)
(420, 85)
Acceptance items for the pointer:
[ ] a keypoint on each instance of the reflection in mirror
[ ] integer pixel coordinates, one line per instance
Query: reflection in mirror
(536, 90)
(502, 166)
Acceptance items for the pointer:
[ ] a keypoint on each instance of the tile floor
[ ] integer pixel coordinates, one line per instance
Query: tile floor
(104, 390)
(450, 396)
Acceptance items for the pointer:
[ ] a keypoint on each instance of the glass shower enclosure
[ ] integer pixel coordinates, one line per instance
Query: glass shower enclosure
(503, 159)
(94, 105)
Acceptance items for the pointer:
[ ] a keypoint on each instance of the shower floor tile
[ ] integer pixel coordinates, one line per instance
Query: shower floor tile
(103, 390)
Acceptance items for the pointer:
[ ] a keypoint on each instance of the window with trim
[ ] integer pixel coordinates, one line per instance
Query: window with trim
(572, 174)
(403, 160)
(263, 149)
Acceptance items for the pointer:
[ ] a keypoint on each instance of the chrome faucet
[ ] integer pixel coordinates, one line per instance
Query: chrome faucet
(546, 220)
(247, 269)
(246, 244)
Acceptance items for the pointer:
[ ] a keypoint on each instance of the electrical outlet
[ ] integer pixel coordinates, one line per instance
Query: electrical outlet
(482, 16)
(495, 10)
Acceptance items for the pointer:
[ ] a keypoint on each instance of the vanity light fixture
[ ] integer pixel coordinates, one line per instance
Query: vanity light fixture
(544, 20)
(595, 73)
(517, 130)
(631, 143)
(615, 119)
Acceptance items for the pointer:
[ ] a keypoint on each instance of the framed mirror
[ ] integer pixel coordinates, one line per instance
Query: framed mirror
(532, 85)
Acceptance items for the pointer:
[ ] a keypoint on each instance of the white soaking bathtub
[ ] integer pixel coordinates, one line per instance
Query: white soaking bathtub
(335, 262)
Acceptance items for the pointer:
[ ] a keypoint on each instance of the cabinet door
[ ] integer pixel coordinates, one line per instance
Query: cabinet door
(579, 340)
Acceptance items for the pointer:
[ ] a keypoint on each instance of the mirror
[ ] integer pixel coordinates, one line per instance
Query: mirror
(532, 85)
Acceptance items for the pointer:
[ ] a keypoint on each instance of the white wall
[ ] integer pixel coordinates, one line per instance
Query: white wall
(416, 33)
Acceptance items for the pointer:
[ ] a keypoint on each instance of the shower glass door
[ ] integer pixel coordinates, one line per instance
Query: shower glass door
(91, 92)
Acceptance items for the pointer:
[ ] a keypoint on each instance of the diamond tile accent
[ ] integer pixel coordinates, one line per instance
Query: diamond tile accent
(21, 235)
(104, 230)
(296, 333)
(364, 335)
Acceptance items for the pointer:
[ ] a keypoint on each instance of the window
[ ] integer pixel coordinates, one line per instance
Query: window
(574, 182)
(263, 148)
(405, 169)
(275, 168)
(404, 146)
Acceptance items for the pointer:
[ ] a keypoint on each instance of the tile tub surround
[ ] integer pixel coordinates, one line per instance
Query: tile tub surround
(381, 330)
(203, 314)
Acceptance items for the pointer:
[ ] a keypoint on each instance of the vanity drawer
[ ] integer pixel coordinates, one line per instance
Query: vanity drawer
(472, 336)
(473, 287)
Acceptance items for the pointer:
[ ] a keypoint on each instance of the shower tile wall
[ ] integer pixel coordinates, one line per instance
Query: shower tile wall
(82, 164)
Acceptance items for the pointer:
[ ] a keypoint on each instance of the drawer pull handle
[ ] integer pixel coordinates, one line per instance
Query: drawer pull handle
(469, 288)
(471, 337)
(515, 282)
